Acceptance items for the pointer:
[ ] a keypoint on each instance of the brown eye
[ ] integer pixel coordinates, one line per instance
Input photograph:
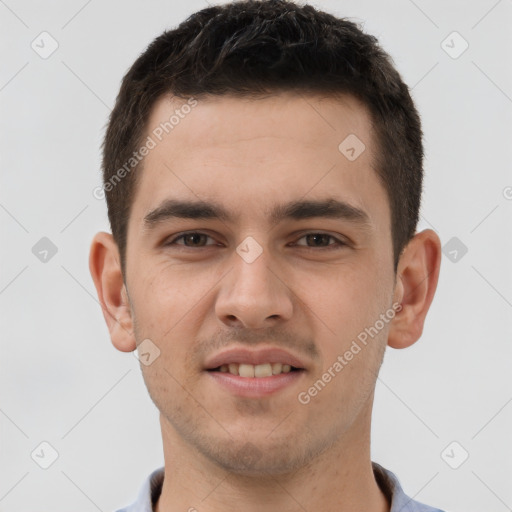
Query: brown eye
(321, 240)
(191, 239)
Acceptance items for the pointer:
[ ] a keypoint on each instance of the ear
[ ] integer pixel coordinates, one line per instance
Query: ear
(105, 268)
(416, 283)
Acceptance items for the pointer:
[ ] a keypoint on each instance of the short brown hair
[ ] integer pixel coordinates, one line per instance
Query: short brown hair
(253, 48)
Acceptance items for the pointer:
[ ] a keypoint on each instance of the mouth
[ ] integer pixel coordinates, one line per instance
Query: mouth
(257, 371)
(255, 387)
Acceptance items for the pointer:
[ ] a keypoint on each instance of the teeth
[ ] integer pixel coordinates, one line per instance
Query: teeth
(263, 370)
(276, 368)
(246, 370)
(258, 370)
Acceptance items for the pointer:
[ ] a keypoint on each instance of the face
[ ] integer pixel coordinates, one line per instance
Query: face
(299, 262)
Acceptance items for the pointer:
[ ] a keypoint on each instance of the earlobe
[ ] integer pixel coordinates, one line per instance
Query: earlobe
(417, 278)
(108, 279)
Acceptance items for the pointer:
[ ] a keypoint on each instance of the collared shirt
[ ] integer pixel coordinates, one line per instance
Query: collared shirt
(387, 481)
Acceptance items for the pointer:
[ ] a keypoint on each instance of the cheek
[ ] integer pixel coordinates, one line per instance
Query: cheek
(170, 307)
(167, 293)
(354, 297)
(350, 296)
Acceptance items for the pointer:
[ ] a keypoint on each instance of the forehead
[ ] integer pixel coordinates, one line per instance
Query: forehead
(224, 120)
(255, 151)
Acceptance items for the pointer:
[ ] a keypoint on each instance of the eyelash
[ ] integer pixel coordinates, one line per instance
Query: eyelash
(338, 245)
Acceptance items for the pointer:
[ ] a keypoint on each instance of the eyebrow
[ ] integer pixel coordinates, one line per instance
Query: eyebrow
(296, 210)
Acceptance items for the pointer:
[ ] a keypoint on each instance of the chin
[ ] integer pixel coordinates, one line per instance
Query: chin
(256, 458)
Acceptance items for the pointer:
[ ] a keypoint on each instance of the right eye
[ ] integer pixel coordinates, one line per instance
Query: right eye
(190, 239)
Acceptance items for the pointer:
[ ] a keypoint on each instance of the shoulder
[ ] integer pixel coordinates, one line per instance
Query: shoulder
(390, 486)
(148, 493)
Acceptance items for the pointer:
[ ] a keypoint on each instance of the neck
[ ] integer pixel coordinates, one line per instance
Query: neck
(340, 479)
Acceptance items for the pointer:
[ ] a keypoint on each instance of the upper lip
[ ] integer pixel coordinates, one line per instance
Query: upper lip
(254, 357)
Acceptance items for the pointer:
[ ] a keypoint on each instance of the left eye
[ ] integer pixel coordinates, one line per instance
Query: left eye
(321, 240)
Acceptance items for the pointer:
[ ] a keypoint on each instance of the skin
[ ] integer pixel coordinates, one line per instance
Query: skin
(272, 453)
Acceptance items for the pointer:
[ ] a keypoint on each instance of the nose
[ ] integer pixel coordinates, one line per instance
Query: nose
(253, 294)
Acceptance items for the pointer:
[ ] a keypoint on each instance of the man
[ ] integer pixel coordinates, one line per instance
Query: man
(263, 173)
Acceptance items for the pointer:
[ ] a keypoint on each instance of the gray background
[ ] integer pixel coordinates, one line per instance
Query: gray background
(61, 380)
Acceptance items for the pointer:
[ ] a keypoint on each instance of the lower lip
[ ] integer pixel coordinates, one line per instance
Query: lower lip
(256, 387)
